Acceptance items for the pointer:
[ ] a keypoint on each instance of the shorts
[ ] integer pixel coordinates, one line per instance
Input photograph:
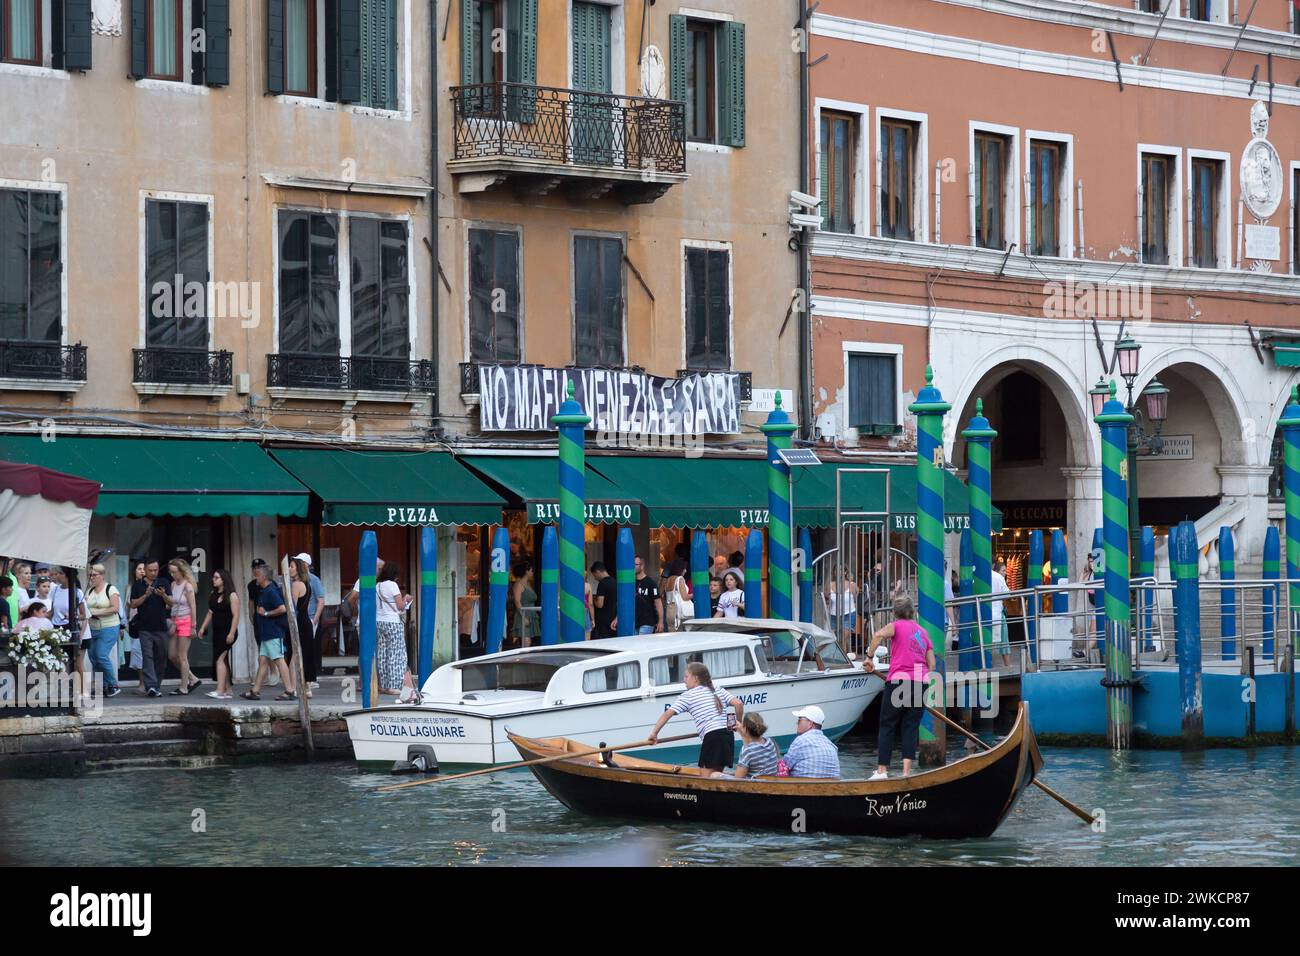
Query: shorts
(717, 749)
(272, 649)
(646, 629)
(850, 621)
(184, 626)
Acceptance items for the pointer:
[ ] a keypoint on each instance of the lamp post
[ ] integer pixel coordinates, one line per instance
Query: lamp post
(1156, 401)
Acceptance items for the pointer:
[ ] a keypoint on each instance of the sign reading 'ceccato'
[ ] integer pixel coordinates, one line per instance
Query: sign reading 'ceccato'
(524, 398)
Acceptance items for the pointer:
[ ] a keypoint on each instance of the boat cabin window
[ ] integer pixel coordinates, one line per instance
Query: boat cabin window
(832, 655)
(788, 651)
(598, 680)
(722, 663)
(530, 672)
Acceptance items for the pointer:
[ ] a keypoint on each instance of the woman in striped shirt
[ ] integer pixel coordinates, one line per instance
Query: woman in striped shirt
(759, 756)
(705, 704)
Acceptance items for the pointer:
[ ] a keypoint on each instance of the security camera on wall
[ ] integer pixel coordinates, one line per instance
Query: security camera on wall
(803, 199)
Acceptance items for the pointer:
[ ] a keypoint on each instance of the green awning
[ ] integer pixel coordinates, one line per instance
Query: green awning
(168, 476)
(535, 481)
(392, 487)
(681, 492)
(684, 492)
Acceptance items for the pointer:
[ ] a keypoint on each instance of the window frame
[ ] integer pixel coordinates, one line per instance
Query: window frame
(343, 254)
(710, 246)
(1216, 17)
(710, 27)
(181, 47)
(1065, 224)
(467, 329)
(345, 247)
(622, 238)
(878, 349)
(150, 195)
(1176, 220)
(1293, 178)
(920, 171)
(22, 185)
(1223, 212)
(6, 12)
(315, 47)
(1011, 218)
(861, 184)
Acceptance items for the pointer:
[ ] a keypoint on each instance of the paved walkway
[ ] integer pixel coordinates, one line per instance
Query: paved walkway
(132, 705)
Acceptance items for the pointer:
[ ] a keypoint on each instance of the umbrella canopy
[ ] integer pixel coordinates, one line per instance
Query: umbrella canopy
(45, 515)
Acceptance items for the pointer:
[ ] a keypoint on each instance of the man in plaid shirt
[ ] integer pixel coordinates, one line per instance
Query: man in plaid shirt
(812, 754)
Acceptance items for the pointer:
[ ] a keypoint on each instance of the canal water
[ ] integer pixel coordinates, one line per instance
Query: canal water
(1217, 807)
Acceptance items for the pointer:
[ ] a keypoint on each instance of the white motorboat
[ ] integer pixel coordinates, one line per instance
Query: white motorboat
(612, 691)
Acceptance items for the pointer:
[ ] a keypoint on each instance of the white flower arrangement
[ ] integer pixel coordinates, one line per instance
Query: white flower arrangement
(40, 650)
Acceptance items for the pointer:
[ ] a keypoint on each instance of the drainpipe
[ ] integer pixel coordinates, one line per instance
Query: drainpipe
(805, 284)
(435, 273)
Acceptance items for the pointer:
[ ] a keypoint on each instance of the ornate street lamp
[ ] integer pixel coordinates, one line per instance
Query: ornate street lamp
(1127, 352)
(1099, 393)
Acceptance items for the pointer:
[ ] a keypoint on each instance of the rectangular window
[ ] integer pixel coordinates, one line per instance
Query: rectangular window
(31, 266)
(619, 677)
(598, 301)
(1157, 193)
(176, 274)
(873, 395)
(300, 47)
(1046, 161)
(494, 297)
(708, 310)
(379, 54)
(897, 174)
(165, 25)
(1153, 6)
(723, 663)
(1200, 9)
(701, 81)
(839, 134)
(1295, 20)
(21, 33)
(991, 151)
(1206, 177)
(309, 283)
(487, 50)
(381, 306)
(1295, 222)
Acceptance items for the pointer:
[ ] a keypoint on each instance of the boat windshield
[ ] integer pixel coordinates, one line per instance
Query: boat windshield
(530, 672)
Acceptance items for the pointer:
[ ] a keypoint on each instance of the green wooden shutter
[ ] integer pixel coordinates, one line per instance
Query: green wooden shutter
(378, 81)
(466, 42)
(527, 60)
(731, 103)
(678, 50)
(139, 40)
(275, 46)
(75, 35)
(348, 26)
(216, 26)
(198, 58)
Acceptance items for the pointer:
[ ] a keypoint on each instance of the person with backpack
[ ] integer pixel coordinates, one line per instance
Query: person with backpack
(911, 661)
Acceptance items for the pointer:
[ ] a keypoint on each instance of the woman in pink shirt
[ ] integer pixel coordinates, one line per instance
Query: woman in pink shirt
(911, 659)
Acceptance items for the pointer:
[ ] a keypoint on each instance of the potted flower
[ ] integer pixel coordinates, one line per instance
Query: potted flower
(40, 650)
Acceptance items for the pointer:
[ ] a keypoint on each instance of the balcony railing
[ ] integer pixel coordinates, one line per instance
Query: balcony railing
(547, 125)
(360, 373)
(42, 361)
(178, 366)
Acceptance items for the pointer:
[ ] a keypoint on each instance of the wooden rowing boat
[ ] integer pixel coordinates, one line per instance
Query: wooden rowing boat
(967, 798)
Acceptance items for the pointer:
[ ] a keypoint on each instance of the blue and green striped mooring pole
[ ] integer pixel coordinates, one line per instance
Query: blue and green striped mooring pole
(1034, 581)
(754, 579)
(700, 575)
(367, 639)
(805, 576)
(428, 603)
(549, 587)
(1290, 425)
(572, 422)
(967, 633)
(498, 589)
(1183, 562)
(1227, 596)
(1060, 572)
(1099, 575)
(1147, 569)
(625, 583)
(1114, 422)
(979, 435)
(778, 428)
(1272, 571)
(929, 409)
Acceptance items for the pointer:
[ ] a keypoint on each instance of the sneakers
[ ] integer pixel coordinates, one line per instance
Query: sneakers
(879, 775)
(112, 693)
(153, 692)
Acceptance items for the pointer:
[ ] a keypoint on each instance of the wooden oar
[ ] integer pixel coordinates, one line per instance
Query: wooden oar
(1073, 808)
(531, 763)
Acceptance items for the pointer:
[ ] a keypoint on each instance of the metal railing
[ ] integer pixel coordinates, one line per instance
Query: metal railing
(42, 361)
(568, 127)
(179, 366)
(356, 373)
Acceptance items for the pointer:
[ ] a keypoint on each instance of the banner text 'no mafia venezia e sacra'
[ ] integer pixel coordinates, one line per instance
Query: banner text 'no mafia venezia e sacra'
(524, 397)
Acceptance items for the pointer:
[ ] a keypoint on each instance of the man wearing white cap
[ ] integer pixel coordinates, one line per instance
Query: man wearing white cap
(316, 602)
(812, 754)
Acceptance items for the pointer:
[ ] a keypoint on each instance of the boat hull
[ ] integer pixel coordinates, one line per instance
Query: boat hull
(966, 799)
(463, 736)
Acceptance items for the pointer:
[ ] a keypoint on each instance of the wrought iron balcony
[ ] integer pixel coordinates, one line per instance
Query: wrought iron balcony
(42, 361)
(178, 366)
(361, 373)
(541, 138)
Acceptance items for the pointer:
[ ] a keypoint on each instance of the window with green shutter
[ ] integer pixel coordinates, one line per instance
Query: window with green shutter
(379, 54)
(21, 32)
(707, 73)
(70, 35)
(873, 395)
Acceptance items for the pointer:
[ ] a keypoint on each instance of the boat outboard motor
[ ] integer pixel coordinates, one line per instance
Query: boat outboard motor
(419, 759)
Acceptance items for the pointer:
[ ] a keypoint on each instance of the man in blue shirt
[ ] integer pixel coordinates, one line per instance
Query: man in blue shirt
(270, 613)
(812, 754)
